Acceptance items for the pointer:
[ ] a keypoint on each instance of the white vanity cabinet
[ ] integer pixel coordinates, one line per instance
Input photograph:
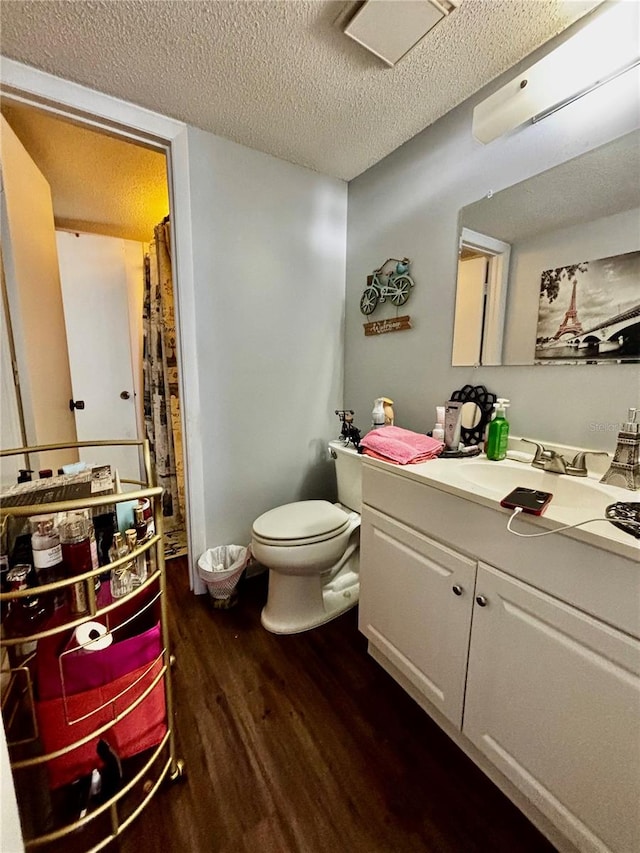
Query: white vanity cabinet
(416, 598)
(553, 700)
(527, 652)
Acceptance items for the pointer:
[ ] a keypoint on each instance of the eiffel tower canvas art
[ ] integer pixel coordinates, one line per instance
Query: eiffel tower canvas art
(589, 312)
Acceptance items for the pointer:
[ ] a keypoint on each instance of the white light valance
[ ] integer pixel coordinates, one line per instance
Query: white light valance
(606, 47)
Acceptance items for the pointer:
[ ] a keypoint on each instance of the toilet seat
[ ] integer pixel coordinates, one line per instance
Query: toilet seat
(300, 523)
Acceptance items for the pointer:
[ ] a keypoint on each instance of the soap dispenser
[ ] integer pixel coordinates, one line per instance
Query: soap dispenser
(498, 435)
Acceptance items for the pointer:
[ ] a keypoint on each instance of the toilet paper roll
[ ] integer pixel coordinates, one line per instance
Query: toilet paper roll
(94, 634)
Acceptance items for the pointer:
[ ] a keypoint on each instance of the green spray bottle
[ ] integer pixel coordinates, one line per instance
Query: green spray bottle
(498, 435)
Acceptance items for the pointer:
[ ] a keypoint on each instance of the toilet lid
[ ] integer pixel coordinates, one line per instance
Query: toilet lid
(301, 520)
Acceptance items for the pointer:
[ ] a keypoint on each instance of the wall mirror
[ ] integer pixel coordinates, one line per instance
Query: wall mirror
(549, 269)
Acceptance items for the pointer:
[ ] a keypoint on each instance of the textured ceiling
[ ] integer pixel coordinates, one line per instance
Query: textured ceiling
(279, 75)
(98, 183)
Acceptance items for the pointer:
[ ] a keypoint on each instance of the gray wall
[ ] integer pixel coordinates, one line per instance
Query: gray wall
(269, 266)
(408, 205)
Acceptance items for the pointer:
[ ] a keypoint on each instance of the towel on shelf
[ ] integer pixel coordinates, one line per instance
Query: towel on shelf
(402, 446)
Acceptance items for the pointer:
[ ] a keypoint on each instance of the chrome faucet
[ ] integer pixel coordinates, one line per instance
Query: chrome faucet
(555, 463)
(547, 460)
(578, 467)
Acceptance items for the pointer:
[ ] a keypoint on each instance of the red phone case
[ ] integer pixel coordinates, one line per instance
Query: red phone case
(530, 501)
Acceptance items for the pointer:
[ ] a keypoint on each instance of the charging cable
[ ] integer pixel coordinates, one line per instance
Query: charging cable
(518, 510)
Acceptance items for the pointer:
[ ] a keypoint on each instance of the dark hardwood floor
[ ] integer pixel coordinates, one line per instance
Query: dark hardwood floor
(303, 744)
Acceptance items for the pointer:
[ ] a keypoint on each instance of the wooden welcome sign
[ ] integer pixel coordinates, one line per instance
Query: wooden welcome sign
(381, 327)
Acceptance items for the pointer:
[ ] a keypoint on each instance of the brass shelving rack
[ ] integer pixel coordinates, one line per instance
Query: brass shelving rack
(160, 762)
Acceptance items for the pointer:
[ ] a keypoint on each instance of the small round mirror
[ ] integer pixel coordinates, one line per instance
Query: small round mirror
(470, 416)
(477, 408)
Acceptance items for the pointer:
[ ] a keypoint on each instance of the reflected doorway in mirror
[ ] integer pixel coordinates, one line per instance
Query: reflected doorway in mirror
(481, 296)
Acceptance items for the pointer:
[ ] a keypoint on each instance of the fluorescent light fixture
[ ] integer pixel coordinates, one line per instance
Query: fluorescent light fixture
(606, 47)
(390, 28)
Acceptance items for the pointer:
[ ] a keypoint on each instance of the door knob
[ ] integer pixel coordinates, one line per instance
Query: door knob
(124, 395)
(481, 600)
(457, 589)
(76, 404)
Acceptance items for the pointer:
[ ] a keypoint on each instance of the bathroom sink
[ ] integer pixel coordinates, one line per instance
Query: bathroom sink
(568, 492)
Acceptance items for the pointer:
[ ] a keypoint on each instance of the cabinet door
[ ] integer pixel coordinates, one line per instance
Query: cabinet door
(553, 699)
(416, 598)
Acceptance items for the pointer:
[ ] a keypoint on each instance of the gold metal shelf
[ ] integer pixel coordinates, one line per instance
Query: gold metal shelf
(173, 767)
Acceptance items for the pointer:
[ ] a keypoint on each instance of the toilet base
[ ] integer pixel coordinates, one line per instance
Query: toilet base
(299, 603)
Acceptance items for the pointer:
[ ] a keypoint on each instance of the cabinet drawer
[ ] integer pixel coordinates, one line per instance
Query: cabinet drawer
(416, 598)
(396, 496)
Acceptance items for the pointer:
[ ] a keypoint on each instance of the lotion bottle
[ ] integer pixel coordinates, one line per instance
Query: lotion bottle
(498, 435)
(438, 430)
(377, 415)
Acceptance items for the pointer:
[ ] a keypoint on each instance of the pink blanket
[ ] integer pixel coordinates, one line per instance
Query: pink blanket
(394, 444)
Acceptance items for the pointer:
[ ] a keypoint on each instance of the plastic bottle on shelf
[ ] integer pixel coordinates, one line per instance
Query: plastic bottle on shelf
(47, 555)
(140, 523)
(93, 544)
(140, 573)
(26, 615)
(76, 554)
(145, 503)
(118, 547)
(143, 533)
(438, 430)
(122, 575)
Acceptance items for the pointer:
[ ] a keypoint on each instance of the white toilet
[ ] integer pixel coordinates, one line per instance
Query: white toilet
(311, 549)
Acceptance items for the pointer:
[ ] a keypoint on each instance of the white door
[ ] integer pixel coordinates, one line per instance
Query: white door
(553, 699)
(93, 274)
(416, 599)
(31, 275)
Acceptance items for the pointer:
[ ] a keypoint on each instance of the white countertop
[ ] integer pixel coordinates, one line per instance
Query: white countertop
(456, 477)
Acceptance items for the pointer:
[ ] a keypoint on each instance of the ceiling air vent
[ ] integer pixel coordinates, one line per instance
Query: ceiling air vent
(390, 28)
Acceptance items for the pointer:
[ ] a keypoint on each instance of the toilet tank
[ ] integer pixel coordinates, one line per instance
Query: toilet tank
(348, 474)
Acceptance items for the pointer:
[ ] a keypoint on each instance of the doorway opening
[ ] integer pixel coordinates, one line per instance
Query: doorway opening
(110, 208)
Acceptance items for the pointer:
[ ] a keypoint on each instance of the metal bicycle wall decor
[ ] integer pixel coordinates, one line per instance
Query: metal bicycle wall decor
(394, 284)
(390, 281)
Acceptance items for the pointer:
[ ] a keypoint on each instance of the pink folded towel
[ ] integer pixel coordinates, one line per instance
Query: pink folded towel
(394, 444)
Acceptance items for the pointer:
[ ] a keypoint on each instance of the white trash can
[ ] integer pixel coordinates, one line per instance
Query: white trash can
(221, 569)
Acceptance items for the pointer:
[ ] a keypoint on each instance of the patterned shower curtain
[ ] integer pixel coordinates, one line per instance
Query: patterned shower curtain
(160, 371)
